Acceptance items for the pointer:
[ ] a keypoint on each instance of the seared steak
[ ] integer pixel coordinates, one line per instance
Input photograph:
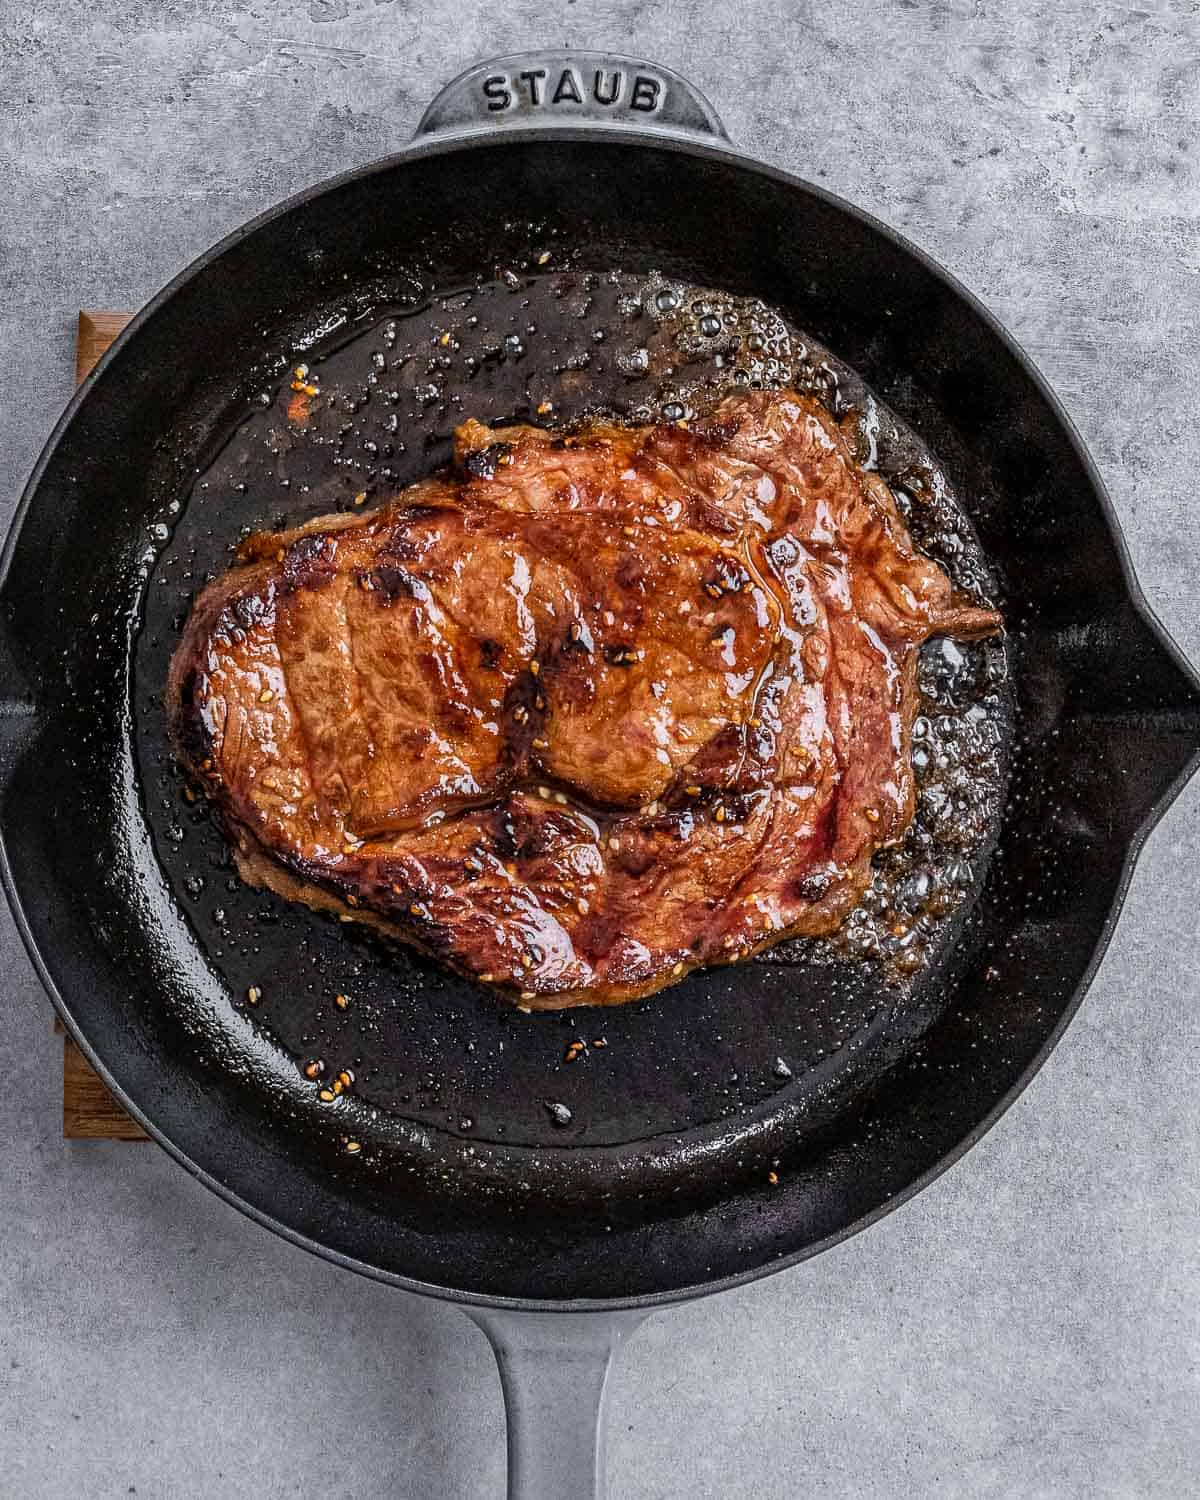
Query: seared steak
(587, 713)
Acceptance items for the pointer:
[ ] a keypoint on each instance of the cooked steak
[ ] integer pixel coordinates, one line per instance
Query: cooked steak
(585, 714)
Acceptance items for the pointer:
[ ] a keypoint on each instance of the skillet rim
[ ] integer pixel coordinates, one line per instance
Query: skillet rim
(702, 149)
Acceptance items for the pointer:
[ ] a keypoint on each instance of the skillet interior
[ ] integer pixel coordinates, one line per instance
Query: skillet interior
(1107, 722)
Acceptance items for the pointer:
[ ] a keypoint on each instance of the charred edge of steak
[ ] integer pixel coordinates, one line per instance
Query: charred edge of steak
(191, 734)
(295, 881)
(482, 463)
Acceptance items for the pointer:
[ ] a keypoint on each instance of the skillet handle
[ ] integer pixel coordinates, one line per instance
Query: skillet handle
(554, 1370)
(565, 87)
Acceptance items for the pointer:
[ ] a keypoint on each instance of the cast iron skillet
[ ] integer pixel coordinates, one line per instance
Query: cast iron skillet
(660, 1190)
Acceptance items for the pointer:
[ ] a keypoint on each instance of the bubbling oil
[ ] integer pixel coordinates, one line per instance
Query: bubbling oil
(702, 344)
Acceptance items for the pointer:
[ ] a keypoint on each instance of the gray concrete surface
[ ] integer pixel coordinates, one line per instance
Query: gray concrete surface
(1028, 1327)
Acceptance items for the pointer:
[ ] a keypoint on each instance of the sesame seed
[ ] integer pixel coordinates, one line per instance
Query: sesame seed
(341, 1001)
(692, 791)
(535, 667)
(314, 1069)
(526, 961)
(266, 695)
(678, 969)
(361, 498)
(719, 814)
(581, 906)
(773, 1178)
(353, 1148)
(486, 978)
(541, 744)
(544, 793)
(346, 1078)
(614, 843)
(558, 797)
(872, 815)
(543, 258)
(326, 1096)
(609, 617)
(254, 994)
(600, 1042)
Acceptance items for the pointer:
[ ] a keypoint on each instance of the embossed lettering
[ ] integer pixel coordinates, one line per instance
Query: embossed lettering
(645, 93)
(496, 92)
(610, 93)
(568, 88)
(533, 78)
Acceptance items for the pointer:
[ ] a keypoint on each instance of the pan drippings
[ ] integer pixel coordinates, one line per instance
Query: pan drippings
(367, 404)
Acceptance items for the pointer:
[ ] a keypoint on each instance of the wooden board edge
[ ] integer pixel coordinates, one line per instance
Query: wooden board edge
(90, 1113)
(96, 332)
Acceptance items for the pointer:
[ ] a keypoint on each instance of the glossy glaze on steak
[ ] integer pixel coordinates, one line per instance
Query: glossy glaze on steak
(585, 714)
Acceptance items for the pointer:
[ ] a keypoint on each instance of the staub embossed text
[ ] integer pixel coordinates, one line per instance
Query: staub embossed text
(537, 88)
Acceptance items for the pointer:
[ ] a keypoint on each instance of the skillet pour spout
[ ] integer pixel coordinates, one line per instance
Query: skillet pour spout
(1124, 752)
(687, 1161)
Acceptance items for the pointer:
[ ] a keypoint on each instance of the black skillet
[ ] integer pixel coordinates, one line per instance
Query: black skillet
(557, 1240)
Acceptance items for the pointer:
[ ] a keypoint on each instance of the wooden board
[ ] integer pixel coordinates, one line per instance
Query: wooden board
(89, 1111)
(96, 331)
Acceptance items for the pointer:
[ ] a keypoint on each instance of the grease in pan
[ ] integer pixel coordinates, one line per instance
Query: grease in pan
(591, 711)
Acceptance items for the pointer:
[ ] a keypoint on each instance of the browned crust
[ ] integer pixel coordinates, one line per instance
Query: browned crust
(259, 868)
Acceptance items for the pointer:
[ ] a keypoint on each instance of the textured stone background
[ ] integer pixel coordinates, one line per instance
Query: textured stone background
(1029, 1326)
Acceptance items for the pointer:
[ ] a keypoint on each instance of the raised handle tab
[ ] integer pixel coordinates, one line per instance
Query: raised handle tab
(569, 88)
